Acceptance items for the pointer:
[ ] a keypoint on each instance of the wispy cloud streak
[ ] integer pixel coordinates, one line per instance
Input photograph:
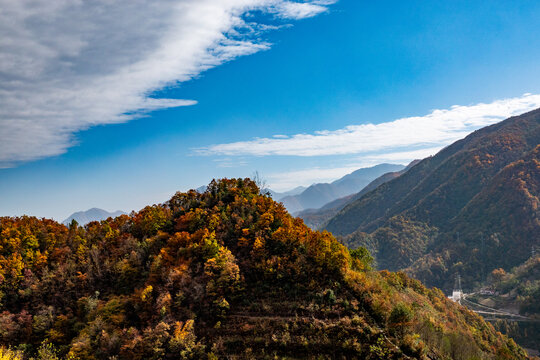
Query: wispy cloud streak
(69, 65)
(435, 130)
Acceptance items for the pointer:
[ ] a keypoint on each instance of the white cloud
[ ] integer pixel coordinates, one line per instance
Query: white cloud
(66, 65)
(399, 157)
(422, 133)
(296, 10)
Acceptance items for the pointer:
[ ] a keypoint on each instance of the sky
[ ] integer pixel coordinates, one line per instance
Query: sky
(118, 105)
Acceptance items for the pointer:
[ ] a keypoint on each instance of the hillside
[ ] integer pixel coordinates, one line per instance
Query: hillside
(469, 209)
(317, 195)
(94, 214)
(516, 292)
(227, 273)
(317, 218)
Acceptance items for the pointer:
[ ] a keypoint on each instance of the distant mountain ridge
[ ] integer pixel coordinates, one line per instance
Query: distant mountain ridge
(315, 218)
(468, 209)
(94, 214)
(280, 195)
(320, 194)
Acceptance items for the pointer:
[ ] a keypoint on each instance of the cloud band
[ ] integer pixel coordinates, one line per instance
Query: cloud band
(437, 129)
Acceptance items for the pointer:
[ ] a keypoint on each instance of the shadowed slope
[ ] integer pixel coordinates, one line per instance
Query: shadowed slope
(481, 187)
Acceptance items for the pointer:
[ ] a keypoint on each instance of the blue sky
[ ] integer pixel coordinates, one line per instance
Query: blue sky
(300, 91)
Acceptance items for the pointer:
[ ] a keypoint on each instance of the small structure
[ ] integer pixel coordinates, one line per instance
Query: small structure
(487, 291)
(457, 293)
(456, 296)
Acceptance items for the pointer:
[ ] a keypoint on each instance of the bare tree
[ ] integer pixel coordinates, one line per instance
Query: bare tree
(260, 182)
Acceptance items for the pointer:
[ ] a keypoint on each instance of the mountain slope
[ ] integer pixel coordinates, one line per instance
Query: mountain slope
(500, 224)
(517, 292)
(317, 195)
(481, 187)
(94, 214)
(315, 218)
(227, 273)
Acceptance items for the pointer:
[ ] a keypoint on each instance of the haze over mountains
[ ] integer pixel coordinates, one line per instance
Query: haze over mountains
(94, 214)
(315, 218)
(280, 195)
(318, 195)
(469, 209)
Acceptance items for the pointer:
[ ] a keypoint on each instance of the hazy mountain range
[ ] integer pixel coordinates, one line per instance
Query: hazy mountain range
(280, 195)
(318, 195)
(94, 214)
(315, 218)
